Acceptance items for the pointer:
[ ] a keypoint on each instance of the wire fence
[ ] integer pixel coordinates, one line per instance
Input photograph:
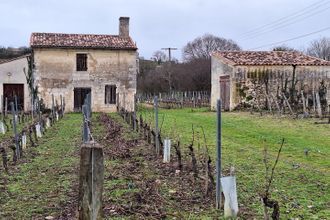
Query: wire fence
(178, 99)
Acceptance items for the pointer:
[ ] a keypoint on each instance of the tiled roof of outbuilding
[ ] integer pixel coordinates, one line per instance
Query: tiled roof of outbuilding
(94, 41)
(12, 59)
(252, 58)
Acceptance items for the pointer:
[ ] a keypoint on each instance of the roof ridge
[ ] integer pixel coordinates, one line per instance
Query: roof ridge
(270, 58)
(114, 35)
(93, 41)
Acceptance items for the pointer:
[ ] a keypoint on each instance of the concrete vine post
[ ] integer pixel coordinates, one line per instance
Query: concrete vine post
(218, 161)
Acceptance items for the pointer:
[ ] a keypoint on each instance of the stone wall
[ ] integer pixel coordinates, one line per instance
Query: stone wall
(261, 81)
(56, 74)
(254, 82)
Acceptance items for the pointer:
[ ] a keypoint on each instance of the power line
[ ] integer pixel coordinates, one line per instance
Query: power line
(299, 13)
(288, 16)
(169, 52)
(294, 38)
(276, 27)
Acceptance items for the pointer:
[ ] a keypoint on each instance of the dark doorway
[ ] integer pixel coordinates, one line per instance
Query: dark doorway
(225, 92)
(79, 97)
(9, 92)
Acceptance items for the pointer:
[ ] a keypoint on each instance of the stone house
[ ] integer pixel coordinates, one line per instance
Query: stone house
(73, 65)
(241, 77)
(13, 82)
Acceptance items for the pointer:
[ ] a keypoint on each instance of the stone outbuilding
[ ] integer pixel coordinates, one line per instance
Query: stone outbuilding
(73, 65)
(13, 82)
(240, 78)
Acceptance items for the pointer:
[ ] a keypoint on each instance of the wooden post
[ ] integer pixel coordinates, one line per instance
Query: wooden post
(318, 104)
(4, 157)
(276, 103)
(89, 105)
(269, 104)
(91, 177)
(6, 106)
(16, 106)
(218, 161)
(63, 104)
(38, 109)
(2, 108)
(15, 130)
(314, 102)
(304, 103)
(32, 105)
(287, 103)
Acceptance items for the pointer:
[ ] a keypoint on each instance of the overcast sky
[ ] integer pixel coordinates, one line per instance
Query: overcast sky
(168, 23)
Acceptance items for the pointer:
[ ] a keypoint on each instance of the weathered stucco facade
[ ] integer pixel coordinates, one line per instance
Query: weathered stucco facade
(12, 72)
(108, 60)
(270, 79)
(55, 71)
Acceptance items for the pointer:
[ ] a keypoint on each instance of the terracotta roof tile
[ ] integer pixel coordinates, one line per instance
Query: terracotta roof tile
(94, 41)
(251, 58)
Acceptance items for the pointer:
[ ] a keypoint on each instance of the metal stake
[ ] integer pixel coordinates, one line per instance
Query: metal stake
(85, 124)
(156, 124)
(53, 107)
(218, 164)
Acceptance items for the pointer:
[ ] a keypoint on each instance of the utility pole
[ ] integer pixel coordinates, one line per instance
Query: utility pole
(169, 52)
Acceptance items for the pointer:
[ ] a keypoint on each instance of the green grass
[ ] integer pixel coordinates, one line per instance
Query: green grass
(10, 130)
(301, 182)
(40, 186)
(42, 183)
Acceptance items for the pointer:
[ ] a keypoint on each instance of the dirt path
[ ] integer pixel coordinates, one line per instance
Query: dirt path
(140, 185)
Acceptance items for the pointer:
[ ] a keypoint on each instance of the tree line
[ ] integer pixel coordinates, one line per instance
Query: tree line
(11, 52)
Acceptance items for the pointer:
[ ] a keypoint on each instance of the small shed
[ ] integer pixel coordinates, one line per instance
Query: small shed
(13, 82)
(245, 78)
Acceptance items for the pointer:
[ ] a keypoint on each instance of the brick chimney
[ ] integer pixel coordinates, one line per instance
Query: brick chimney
(124, 26)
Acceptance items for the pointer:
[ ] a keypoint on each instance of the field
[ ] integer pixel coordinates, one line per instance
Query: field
(138, 185)
(301, 184)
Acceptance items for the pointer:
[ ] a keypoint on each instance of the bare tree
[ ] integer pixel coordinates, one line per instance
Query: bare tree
(320, 48)
(159, 56)
(283, 48)
(10, 52)
(202, 47)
